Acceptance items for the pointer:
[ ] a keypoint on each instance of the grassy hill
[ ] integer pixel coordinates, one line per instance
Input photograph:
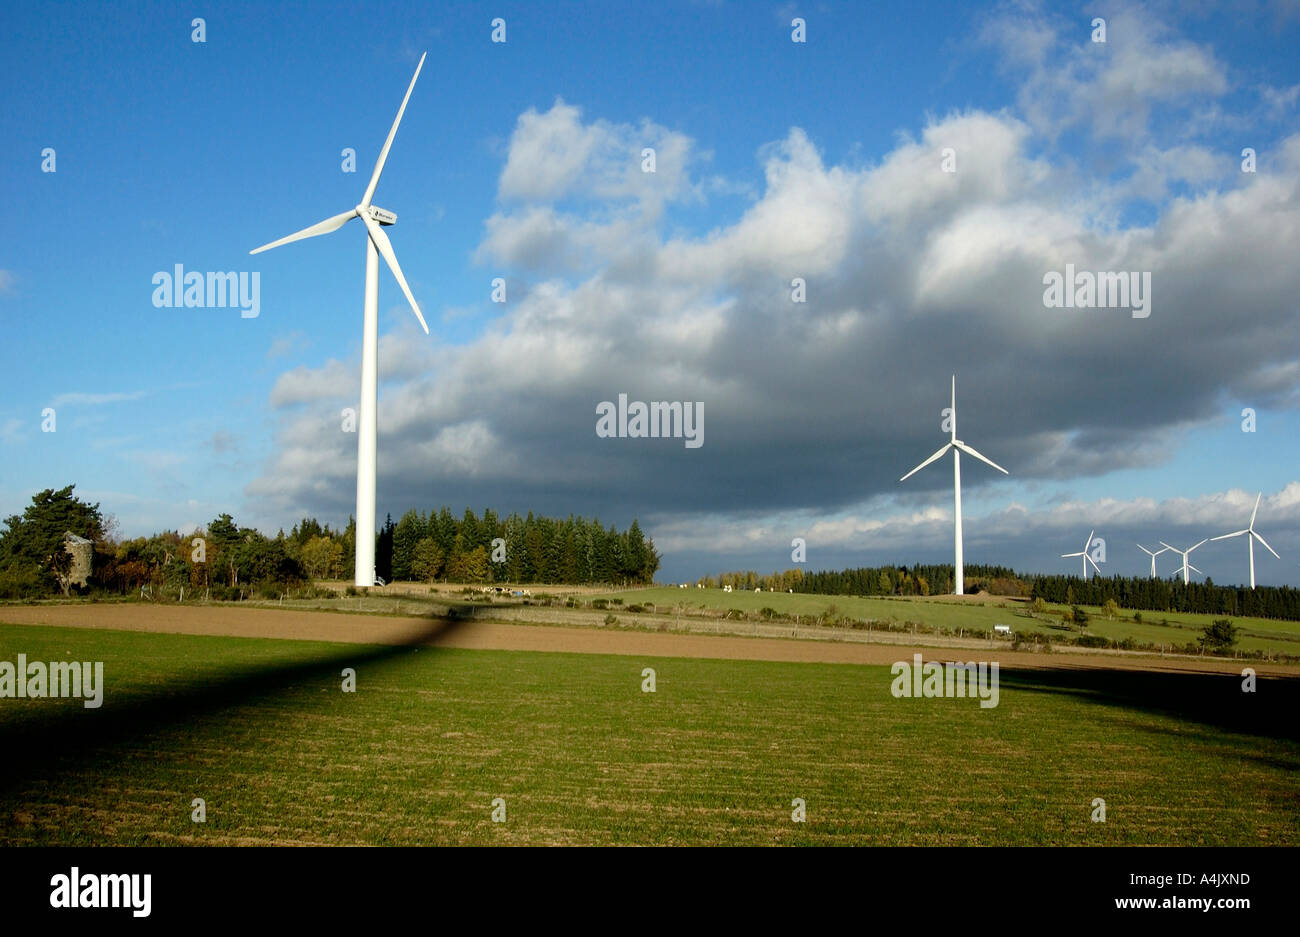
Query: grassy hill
(1172, 628)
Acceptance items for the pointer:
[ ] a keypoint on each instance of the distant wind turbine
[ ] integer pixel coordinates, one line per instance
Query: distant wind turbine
(1250, 529)
(377, 243)
(1087, 558)
(957, 447)
(1184, 554)
(1153, 557)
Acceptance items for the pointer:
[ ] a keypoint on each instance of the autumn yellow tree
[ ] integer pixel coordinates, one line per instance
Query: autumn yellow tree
(321, 556)
(426, 560)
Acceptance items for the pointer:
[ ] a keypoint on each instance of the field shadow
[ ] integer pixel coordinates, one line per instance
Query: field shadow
(1210, 699)
(102, 739)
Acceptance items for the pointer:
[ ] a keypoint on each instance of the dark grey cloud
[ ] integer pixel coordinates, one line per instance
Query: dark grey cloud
(912, 275)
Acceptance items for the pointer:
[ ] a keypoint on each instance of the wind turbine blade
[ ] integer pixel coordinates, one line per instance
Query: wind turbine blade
(1194, 569)
(1168, 547)
(386, 250)
(1144, 549)
(320, 227)
(926, 462)
(1063, 555)
(1206, 540)
(1093, 562)
(383, 154)
(1256, 511)
(953, 415)
(1234, 534)
(969, 451)
(1265, 542)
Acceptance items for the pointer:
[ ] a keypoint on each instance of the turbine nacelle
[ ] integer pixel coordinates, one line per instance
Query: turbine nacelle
(380, 215)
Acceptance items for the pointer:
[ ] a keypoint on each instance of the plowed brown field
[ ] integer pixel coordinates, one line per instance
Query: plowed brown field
(372, 629)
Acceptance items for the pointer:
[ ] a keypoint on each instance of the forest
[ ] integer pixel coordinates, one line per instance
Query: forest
(227, 560)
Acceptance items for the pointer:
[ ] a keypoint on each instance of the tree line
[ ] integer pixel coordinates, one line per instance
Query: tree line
(437, 545)
(876, 580)
(227, 560)
(1132, 592)
(1166, 595)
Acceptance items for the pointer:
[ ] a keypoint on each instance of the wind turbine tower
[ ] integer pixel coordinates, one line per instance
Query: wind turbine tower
(377, 244)
(1253, 536)
(1153, 557)
(957, 447)
(1087, 557)
(1184, 554)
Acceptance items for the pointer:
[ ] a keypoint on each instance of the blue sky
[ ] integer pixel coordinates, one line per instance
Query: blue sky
(776, 159)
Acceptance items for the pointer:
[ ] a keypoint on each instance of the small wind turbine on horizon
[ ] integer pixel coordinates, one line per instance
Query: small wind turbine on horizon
(957, 447)
(377, 243)
(1153, 557)
(1250, 529)
(1184, 554)
(1087, 557)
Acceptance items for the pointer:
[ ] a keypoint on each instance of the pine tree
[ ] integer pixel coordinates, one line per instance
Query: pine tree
(384, 550)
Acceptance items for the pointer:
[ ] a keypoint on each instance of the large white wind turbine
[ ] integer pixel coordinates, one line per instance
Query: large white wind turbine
(377, 243)
(1183, 554)
(1250, 529)
(957, 447)
(1087, 558)
(1153, 557)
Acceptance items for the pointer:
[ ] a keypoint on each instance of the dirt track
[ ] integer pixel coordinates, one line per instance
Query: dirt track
(372, 629)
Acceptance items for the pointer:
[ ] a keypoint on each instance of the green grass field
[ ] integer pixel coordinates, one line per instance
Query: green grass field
(261, 731)
(1258, 634)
